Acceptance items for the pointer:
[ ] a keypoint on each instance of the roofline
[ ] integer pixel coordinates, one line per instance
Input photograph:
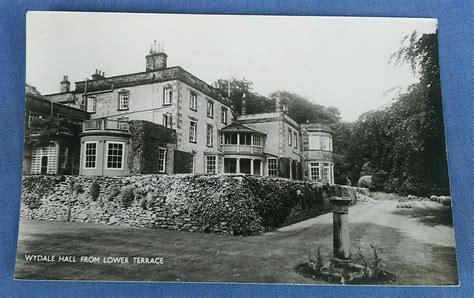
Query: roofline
(223, 99)
(246, 126)
(55, 103)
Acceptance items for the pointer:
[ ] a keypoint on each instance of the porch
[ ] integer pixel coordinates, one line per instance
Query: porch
(244, 165)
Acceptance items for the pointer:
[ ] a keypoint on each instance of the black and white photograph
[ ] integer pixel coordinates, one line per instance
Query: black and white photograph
(234, 149)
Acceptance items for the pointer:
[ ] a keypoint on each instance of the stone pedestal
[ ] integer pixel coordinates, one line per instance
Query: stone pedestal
(341, 240)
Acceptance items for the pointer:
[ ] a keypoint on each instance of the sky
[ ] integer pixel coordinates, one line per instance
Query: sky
(332, 61)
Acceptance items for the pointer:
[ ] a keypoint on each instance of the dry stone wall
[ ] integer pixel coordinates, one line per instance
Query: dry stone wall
(221, 204)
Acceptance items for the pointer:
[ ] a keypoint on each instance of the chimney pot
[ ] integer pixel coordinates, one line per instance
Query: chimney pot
(156, 60)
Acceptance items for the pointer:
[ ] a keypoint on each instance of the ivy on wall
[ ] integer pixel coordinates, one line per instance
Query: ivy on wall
(182, 162)
(146, 138)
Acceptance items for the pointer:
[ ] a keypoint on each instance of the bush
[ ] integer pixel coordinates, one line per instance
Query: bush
(114, 192)
(445, 200)
(32, 201)
(366, 182)
(95, 190)
(127, 196)
(379, 179)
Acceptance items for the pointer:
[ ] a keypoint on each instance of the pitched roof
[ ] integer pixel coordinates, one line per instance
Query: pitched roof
(239, 127)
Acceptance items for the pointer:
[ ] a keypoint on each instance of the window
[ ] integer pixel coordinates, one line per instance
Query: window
(330, 144)
(210, 109)
(230, 138)
(167, 120)
(290, 139)
(167, 95)
(326, 173)
(210, 135)
(91, 104)
(193, 101)
(295, 137)
(224, 115)
(211, 164)
(272, 164)
(115, 155)
(314, 142)
(314, 171)
(245, 139)
(257, 140)
(192, 131)
(161, 160)
(90, 155)
(123, 100)
(325, 144)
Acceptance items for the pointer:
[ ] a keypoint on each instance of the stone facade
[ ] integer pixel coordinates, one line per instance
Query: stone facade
(283, 141)
(171, 97)
(200, 116)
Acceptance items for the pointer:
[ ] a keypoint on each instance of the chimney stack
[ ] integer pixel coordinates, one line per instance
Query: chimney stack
(156, 58)
(99, 74)
(243, 106)
(65, 85)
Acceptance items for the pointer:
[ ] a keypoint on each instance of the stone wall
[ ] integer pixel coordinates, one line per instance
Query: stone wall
(222, 204)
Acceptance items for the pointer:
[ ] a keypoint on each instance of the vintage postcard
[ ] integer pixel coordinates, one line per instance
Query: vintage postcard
(227, 148)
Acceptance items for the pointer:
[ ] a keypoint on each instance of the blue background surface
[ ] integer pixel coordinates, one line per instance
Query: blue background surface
(456, 33)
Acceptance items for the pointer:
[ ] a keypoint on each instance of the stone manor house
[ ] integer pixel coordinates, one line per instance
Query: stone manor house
(192, 128)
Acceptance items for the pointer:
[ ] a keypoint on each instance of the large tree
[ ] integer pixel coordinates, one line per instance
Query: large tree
(404, 142)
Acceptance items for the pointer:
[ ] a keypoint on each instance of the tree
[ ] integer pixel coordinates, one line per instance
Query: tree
(302, 110)
(342, 132)
(45, 130)
(404, 142)
(255, 103)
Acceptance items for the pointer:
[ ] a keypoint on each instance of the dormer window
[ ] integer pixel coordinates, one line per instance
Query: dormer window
(123, 100)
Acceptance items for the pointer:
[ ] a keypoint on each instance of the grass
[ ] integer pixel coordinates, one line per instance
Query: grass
(268, 258)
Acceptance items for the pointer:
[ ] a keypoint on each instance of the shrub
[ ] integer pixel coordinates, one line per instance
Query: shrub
(366, 182)
(379, 179)
(114, 192)
(32, 201)
(127, 196)
(95, 190)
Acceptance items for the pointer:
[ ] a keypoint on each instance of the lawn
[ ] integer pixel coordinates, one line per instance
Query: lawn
(416, 244)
